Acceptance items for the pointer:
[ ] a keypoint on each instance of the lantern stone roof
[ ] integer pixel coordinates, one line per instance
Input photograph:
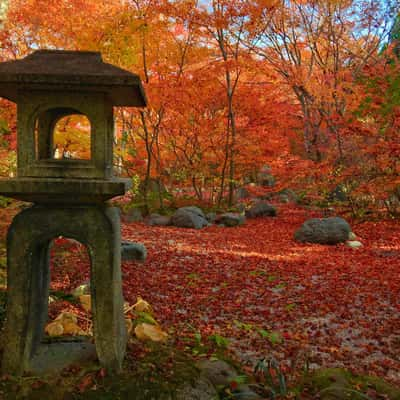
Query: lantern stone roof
(70, 70)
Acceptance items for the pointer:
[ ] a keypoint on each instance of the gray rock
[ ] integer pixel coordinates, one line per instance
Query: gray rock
(218, 372)
(211, 217)
(352, 236)
(133, 251)
(231, 219)
(193, 209)
(201, 389)
(189, 217)
(261, 209)
(331, 230)
(53, 357)
(221, 374)
(158, 220)
(354, 244)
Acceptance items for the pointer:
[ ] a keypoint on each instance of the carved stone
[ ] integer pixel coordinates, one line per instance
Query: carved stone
(29, 237)
(69, 196)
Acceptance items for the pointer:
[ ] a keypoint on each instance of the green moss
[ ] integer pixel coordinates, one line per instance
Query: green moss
(154, 374)
(336, 383)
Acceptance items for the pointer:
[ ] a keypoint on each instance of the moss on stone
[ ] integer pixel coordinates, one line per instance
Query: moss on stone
(156, 374)
(338, 384)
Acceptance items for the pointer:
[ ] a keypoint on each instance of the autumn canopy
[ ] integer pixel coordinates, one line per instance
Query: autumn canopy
(309, 88)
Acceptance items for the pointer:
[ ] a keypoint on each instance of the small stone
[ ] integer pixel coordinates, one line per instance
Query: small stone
(133, 251)
(352, 236)
(354, 244)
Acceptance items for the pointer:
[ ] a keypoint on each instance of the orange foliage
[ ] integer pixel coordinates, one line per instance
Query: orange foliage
(234, 86)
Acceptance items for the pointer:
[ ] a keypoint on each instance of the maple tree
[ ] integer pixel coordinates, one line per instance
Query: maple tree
(225, 52)
(319, 44)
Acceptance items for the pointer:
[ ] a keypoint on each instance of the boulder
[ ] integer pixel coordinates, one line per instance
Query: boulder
(221, 374)
(189, 217)
(261, 209)
(133, 251)
(231, 219)
(211, 217)
(158, 220)
(330, 230)
(200, 389)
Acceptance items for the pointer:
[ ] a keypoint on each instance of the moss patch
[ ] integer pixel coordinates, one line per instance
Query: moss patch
(338, 384)
(150, 372)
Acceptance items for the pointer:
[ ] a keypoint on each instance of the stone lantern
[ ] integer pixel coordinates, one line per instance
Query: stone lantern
(69, 196)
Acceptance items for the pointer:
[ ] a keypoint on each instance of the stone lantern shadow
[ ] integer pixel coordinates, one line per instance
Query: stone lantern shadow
(69, 199)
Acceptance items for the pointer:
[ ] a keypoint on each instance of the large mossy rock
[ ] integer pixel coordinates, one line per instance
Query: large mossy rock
(189, 217)
(330, 230)
(340, 384)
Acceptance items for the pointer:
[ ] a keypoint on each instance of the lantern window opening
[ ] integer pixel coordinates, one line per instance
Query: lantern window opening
(63, 134)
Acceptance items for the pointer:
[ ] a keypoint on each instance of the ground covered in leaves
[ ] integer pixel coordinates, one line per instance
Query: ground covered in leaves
(255, 286)
(255, 291)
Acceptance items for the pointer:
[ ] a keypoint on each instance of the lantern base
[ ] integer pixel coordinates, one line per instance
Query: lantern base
(28, 279)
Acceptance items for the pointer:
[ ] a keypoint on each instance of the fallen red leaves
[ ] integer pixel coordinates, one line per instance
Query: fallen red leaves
(333, 305)
(330, 305)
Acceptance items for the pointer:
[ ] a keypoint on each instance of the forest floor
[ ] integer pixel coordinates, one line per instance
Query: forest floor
(256, 291)
(329, 306)
(254, 286)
